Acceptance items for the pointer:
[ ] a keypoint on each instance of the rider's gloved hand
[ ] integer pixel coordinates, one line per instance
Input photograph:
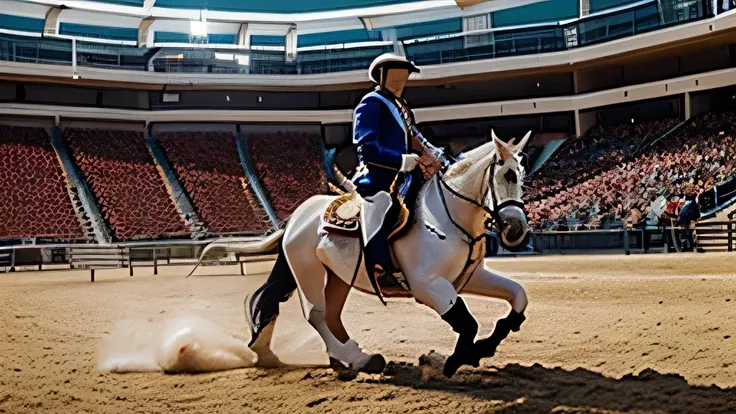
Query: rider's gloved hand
(349, 186)
(409, 162)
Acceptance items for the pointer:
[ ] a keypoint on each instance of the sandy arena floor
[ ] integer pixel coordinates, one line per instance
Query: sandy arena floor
(604, 334)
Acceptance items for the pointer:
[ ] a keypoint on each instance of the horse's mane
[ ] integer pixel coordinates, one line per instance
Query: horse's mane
(468, 160)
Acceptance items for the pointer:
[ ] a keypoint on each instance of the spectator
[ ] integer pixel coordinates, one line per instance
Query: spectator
(686, 162)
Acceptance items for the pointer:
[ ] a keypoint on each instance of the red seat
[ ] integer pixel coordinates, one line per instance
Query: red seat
(208, 166)
(290, 167)
(34, 188)
(123, 177)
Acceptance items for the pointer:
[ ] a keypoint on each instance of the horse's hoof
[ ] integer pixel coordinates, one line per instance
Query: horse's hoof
(457, 360)
(266, 357)
(343, 372)
(452, 364)
(269, 360)
(486, 348)
(375, 365)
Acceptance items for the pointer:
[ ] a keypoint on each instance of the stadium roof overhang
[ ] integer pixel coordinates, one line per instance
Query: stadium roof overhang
(646, 48)
(197, 10)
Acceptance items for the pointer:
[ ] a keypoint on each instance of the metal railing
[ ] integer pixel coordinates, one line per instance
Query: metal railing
(137, 254)
(467, 46)
(543, 38)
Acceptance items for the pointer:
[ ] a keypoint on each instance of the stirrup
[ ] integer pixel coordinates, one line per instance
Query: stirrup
(395, 279)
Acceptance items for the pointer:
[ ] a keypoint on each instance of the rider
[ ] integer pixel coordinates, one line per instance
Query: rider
(383, 129)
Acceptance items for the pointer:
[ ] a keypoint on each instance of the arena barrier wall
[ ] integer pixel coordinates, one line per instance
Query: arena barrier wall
(129, 255)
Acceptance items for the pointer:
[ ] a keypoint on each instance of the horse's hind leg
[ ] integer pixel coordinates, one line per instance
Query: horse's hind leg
(489, 284)
(336, 294)
(262, 309)
(325, 318)
(262, 347)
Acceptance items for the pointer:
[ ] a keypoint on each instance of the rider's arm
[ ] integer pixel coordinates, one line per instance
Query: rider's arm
(346, 184)
(367, 126)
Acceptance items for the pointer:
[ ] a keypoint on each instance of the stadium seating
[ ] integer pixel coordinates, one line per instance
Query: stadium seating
(209, 168)
(290, 166)
(35, 200)
(598, 150)
(125, 182)
(691, 160)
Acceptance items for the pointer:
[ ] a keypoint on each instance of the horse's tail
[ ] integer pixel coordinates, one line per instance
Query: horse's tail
(263, 306)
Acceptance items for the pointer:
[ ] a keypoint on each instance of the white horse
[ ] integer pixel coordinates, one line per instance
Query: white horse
(440, 255)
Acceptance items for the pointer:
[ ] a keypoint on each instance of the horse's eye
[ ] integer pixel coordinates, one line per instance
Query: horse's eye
(510, 176)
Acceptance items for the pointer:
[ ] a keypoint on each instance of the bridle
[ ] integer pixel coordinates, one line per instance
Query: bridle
(492, 210)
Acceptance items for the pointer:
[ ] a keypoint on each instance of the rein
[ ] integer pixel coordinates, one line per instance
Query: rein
(470, 241)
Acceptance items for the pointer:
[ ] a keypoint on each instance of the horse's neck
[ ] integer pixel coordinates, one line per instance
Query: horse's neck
(464, 213)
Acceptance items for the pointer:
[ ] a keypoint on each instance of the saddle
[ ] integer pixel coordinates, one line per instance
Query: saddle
(351, 215)
(343, 215)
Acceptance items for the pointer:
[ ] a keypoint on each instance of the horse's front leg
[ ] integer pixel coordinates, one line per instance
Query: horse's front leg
(489, 284)
(439, 294)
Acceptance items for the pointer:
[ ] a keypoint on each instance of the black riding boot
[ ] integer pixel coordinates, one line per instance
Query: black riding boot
(462, 322)
(378, 252)
(486, 348)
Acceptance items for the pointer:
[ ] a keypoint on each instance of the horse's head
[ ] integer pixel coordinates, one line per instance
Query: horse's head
(491, 177)
(504, 197)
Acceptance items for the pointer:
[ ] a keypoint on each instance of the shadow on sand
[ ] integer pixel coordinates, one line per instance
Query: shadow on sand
(537, 389)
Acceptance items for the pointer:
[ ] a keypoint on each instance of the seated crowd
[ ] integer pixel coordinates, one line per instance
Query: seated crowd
(290, 167)
(591, 153)
(34, 195)
(209, 169)
(616, 188)
(125, 182)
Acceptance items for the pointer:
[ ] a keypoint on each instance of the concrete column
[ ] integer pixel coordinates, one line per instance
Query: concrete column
(52, 21)
(143, 38)
(688, 105)
(291, 42)
(584, 121)
(584, 8)
(74, 59)
(243, 35)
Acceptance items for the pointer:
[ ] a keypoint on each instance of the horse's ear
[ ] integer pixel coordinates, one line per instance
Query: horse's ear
(520, 146)
(502, 150)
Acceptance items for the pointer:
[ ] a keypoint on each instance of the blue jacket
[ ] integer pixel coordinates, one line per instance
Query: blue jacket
(382, 139)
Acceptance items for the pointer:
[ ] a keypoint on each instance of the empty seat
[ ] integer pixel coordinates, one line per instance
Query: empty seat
(125, 182)
(290, 166)
(33, 190)
(208, 166)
